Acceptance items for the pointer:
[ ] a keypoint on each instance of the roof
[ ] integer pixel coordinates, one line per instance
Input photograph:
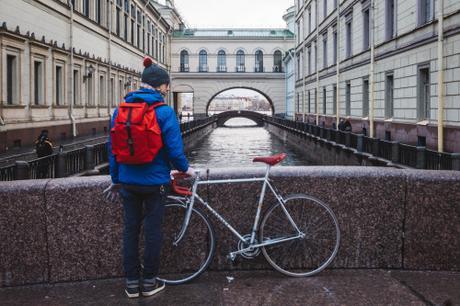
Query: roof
(233, 33)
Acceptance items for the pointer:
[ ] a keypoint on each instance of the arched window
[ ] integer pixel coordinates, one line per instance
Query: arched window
(184, 61)
(240, 66)
(221, 61)
(259, 61)
(277, 61)
(203, 61)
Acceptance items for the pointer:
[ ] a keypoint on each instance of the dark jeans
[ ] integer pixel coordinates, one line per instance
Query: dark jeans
(142, 203)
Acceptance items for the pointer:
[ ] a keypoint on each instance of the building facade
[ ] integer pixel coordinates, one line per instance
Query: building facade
(377, 62)
(68, 73)
(210, 61)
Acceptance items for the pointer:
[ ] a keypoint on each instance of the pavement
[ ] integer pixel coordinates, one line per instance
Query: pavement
(330, 287)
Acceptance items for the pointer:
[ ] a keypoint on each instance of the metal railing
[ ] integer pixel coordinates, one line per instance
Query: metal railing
(81, 161)
(385, 152)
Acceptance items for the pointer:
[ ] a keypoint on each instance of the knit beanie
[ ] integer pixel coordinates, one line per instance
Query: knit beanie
(154, 75)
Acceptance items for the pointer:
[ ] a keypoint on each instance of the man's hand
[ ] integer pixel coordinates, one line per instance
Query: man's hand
(111, 193)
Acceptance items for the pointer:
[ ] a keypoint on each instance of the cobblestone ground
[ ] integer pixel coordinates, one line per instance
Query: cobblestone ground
(331, 287)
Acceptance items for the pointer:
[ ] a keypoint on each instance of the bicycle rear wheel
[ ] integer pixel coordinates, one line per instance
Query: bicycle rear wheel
(193, 254)
(303, 256)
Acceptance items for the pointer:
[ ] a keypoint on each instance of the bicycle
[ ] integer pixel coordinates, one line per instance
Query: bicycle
(295, 223)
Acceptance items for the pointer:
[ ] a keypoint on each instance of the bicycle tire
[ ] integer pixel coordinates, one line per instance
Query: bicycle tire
(304, 256)
(194, 253)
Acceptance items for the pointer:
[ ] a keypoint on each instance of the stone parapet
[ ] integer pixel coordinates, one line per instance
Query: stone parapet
(63, 230)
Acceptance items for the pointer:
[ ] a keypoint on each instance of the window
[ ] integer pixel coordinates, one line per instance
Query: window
(298, 67)
(133, 18)
(324, 100)
(221, 61)
(113, 97)
(425, 9)
(325, 50)
(138, 29)
(348, 35)
(98, 6)
(39, 83)
(259, 61)
(390, 12)
(324, 9)
(310, 29)
(316, 55)
(76, 87)
(277, 61)
(12, 80)
(89, 91)
(334, 47)
(86, 8)
(347, 98)
(389, 102)
(423, 96)
(203, 61)
(240, 62)
(366, 29)
(309, 101)
(59, 91)
(117, 22)
(309, 59)
(334, 99)
(184, 61)
(102, 91)
(365, 97)
(298, 103)
(316, 101)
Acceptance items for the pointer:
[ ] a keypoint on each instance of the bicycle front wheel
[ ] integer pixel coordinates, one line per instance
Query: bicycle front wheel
(193, 254)
(318, 244)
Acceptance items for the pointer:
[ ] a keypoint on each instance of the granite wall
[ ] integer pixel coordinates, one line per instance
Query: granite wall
(63, 230)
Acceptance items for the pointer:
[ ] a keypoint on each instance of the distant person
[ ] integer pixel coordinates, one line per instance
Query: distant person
(344, 125)
(43, 148)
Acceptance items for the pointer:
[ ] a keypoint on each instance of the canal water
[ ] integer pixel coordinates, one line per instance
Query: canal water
(238, 143)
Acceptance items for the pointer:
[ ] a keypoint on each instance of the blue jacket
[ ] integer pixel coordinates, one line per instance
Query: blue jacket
(156, 172)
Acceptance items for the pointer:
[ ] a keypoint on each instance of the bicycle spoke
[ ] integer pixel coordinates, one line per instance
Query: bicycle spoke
(308, 255)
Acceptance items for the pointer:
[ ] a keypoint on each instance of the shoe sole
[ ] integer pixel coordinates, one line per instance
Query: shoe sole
(132, 295)
(150, 293)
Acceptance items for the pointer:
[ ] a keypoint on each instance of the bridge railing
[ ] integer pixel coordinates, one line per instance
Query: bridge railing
(392, 151)
(80, 161)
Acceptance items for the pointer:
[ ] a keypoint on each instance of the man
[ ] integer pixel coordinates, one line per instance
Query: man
(43, 147)
(144, 187)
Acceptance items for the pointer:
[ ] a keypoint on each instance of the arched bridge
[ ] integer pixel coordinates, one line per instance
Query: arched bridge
(254, 116)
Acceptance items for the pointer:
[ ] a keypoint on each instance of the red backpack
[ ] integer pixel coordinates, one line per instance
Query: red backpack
(136, 135)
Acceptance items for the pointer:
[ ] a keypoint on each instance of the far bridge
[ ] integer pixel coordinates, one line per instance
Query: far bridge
(251, 115)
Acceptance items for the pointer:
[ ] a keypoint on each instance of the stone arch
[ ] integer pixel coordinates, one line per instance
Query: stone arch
(259, 49)
(182, 88)
(242, 49)
(266, 96)
(225, 116)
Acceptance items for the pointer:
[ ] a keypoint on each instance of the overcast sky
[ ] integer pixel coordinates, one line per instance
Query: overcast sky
(234, 13)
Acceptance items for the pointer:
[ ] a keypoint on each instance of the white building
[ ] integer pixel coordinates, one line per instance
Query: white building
(210, 61)
(387, 78)
(65, 70)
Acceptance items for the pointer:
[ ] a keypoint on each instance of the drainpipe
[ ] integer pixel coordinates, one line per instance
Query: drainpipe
(371, 75)
(337, 98)
(316, 63)
(303, 81)
(72, 118)
(440, 77)
(109, 51)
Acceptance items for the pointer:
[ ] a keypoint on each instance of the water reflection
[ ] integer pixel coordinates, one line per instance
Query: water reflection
(235, 146)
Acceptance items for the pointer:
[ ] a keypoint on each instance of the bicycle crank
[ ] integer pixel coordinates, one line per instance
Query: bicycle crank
(245, 250)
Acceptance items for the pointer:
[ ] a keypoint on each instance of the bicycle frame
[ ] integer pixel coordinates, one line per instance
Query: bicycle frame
(252, 245)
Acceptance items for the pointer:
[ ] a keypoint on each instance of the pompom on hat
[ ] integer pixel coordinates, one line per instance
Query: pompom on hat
(154, 75)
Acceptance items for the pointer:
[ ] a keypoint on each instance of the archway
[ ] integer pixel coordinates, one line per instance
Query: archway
(240, 99)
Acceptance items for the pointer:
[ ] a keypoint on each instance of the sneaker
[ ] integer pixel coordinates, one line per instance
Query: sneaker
(132, 288)
(152, 286)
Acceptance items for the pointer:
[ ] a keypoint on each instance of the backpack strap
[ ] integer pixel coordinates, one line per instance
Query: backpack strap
(128, 130)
